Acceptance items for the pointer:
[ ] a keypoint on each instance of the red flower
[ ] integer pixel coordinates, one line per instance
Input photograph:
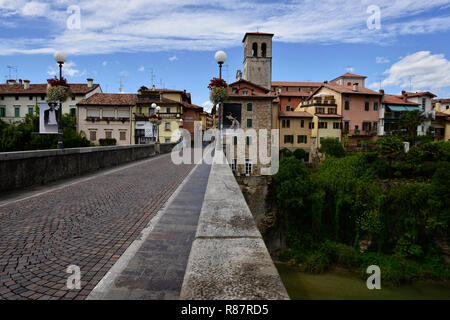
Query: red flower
(217, 83)
(56, 82)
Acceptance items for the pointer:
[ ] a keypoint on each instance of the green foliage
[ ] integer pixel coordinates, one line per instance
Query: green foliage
(285, 152)
(332, 147)
(299, 154)
(410, 121)
(218, 95)
(107, 142)
(23, 135)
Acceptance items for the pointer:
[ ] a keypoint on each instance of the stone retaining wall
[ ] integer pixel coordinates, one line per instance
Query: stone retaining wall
(228, 258)
(28, 168)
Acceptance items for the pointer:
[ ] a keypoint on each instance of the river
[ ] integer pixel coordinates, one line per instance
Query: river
(343, 285)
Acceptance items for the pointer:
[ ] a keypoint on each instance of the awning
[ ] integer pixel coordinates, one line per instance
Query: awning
(402, 108)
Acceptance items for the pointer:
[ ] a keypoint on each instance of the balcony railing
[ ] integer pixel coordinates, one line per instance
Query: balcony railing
(357, 132)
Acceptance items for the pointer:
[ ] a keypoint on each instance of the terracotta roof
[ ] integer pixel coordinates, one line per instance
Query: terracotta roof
(350, 75)
(248, 82)
(294, 94)
(41, 88)
(295, 84)
(442, 115)
(324, 115)
(112, 99)
(346, 89)
(393, 99)
(294, 114)
(442, 100)
(192, 106)
(257, 34)
(157, 101)
(419, 94)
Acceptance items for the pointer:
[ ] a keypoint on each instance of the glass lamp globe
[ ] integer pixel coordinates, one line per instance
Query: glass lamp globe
(158, 108)
(60, 56)
(153, 105)
(220, 56)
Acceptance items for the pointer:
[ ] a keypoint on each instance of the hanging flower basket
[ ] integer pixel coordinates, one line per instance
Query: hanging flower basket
(58, 90)
(219, 91)
(156, 120)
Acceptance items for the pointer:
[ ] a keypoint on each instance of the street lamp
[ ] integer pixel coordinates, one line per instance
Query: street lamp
(220, 57)
(157, 112)
(60, 57)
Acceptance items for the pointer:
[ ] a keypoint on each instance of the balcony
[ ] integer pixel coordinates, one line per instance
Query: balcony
(361, 133)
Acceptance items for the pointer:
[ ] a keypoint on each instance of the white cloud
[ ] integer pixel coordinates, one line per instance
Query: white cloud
(136, 26)
(36, 9)
(173, 58)
(423, 70)
(104, 63)
(141, 69)
(207, 106)
(350, 69)
(381, 60)
(68, 70)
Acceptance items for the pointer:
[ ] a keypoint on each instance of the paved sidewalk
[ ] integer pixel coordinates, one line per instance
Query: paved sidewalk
(156, 270)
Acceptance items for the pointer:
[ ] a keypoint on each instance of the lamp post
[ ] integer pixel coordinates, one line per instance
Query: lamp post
(157, 112)
(220, 57)
(60, 57)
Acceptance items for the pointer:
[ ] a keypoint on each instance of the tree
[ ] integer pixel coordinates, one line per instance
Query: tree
(390, 147)
(410, 121)
(332, 147)
(299, 154)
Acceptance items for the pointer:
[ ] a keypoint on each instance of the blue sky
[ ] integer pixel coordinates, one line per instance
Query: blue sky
(126, 41)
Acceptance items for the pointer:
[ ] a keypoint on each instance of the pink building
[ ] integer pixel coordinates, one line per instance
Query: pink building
(106, 115)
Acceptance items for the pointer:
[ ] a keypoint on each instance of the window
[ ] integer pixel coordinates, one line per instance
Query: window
(366, 126)
(245, 93)
(375, 126)
(323, 125)
(123, 113)
(302, 139)
(288, 139)
(73, 98)
(263, 50)
(288, 108)
(347, 105)
(289, 99)
(248, 166)
(92, 135)
(311, 125)
(167, 126)
(93, 113)
(123, 135)
(285, 123)
(249, 141)
(167, 140)
(319, 110)
(17, 97)
(108, 134)
(375, 106)
(255, 49)
(302, 123)
(336, 125)
(235, 140)
(168, 109)
(249, 107)
(249, 123)
(108, 114)
(30, 98)
(42, 98)
(2, 112)
(367, 106)
(151, 111)
(424, 101)
(234, 164)
(2, 97)
(73, 112)
(30, 110)
(16, 111)
(346, 126)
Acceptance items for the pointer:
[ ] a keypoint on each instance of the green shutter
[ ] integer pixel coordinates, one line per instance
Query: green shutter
(2, 112)
(306, 139)
(249, 123)
(249, 107)
(17, 112)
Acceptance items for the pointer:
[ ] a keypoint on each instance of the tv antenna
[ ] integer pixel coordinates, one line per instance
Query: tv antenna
(152, 77)
(121, 85)
(10, 69)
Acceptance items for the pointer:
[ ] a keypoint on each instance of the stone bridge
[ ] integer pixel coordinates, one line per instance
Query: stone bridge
(136, 225)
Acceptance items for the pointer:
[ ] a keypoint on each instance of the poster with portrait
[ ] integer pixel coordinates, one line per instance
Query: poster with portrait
(231, 115)
(48, 118)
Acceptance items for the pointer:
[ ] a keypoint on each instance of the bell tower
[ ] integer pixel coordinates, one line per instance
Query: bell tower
(258, 58)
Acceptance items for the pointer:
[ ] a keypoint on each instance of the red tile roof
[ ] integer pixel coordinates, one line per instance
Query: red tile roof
(294, 114)
(350, 75)
(41, 88)
(323, 115)
(295, 84)
(257, 34)
(442, 115)
(112, 99)
(442, 100)
(420, 94)
(346, 89)
(393, 99)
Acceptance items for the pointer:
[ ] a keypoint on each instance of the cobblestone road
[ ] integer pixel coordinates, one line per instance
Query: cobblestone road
(86, 223)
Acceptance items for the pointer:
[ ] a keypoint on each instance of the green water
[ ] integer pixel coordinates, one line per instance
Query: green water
(345, 286)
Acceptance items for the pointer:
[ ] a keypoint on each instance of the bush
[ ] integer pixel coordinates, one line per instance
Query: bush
(300, 154)
(285, 152)
(107, 142)
(346, 255)
(316, 263)
(332, 147)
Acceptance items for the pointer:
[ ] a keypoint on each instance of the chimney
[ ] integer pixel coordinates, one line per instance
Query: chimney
(326, 81)
(153, 88)
(382, 91)
(404, 96)
(26, 84)
(11, 82)
(20, 81)
(90, 82)
(355, 86)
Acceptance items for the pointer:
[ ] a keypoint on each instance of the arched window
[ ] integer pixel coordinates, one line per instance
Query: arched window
(263, 50)
(255, 49)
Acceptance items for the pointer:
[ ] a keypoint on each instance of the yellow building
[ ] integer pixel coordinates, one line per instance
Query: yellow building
(295, 130)
(326, 123)
(171, 112)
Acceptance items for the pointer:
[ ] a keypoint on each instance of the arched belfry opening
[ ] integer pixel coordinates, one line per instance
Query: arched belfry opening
(255, 49)
(263, 50)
